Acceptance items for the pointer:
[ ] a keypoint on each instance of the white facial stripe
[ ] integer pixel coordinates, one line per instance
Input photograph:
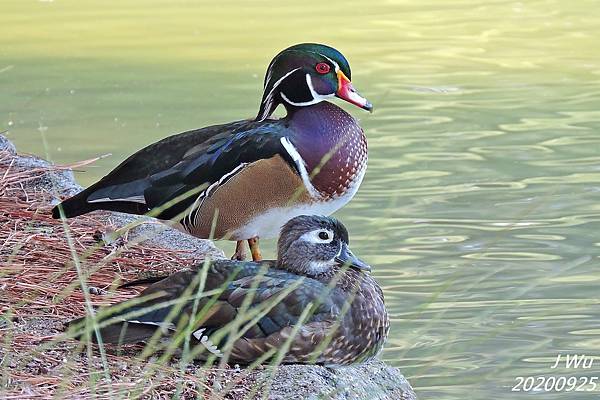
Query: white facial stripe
(289, 147)
(301, 104)
(268, 78)
(316, 97)
(313, 236)
(339, 251)
(314, 93)
(337, 67)
(269, 97)
(281, 80)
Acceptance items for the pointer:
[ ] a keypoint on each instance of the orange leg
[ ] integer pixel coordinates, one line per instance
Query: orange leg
(254, 249)
(240, 251)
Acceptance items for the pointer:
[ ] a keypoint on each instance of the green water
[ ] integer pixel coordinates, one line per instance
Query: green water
(480, 209)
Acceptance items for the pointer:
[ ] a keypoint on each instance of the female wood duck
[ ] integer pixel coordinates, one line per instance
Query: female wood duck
(243, 180)
(315, 268)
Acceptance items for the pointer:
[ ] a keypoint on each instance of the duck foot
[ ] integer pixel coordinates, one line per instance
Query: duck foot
(254, 249)
(240, 251)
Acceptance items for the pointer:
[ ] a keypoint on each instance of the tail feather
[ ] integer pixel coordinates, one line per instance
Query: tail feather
(117, 333)
(74, 206)
(143, 281)
(78, 205)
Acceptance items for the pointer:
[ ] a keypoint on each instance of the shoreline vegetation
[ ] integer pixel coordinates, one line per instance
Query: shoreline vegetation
(46, 264)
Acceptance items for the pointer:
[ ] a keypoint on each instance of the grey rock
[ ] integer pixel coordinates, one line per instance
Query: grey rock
(151, 232)
(369, 381)
(59, 181)
(7, 145)
(374, 381)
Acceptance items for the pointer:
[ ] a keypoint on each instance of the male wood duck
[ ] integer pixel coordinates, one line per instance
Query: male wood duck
(243, 180)
(348, 323)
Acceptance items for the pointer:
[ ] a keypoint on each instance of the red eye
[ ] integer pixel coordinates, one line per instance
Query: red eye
(323, 68)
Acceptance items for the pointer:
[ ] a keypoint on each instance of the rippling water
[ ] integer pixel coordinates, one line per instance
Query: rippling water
(480, 208)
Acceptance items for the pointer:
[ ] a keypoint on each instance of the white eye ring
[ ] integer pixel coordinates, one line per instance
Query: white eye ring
(317, 235)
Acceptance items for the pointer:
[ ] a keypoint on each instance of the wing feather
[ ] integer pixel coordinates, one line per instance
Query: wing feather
(187, 163)
(235, 282)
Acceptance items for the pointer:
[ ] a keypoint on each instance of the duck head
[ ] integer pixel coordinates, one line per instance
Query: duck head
(313, 245)
(306, 74)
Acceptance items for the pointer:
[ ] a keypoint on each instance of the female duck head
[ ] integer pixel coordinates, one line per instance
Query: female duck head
(306, 74)
(313, 245)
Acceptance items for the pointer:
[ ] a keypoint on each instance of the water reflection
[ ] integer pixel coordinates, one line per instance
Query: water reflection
(480, 208)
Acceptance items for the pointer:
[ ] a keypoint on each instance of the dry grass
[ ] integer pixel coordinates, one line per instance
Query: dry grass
(40, 290)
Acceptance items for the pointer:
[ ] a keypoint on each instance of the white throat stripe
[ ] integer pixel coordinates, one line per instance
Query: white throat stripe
(316, 97)
(337, 67)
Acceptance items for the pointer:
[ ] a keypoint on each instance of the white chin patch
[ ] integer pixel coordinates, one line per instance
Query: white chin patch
(316, 97)
(317, 267)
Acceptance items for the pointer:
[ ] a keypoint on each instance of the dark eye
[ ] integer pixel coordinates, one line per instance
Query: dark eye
(323, 68)
(323, 235)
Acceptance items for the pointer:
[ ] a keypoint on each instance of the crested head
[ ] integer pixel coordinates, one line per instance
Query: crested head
(314, 245)
(306, 74)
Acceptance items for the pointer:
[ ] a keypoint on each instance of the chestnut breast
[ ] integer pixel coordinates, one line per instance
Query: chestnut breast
(333, 146)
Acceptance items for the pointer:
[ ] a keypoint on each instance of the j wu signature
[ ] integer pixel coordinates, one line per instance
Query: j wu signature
(573, 363)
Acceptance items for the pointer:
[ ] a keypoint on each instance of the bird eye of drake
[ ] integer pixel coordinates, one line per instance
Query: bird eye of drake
(322, 68)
